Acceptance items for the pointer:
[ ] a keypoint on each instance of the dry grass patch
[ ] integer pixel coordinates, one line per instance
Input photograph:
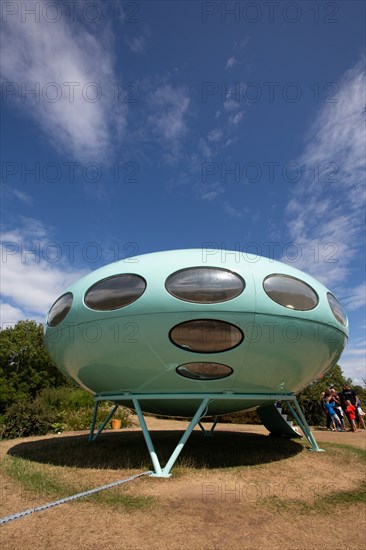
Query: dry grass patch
(236, 490)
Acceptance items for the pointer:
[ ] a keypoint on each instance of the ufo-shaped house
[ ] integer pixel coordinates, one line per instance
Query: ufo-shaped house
(197, 333)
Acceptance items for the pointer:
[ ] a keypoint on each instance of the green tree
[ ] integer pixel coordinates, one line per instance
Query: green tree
(25, 367)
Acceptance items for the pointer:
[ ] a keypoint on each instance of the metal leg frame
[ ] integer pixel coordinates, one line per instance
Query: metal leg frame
(159, 471)
(209, 433)
(301, 420)
(93, 437)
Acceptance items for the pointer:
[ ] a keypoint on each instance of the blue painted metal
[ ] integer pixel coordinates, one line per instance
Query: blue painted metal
(95, 411)
(276, 422)
(129, 349)
(93, 437)
(301, 420)
(149, 443)
(199, 414)
(209, 433)
(204, 400)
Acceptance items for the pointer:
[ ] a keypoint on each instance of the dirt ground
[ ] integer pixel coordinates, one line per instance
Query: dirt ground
(269, 505)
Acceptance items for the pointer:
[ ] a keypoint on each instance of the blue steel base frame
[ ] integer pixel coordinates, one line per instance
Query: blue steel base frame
(196, 420)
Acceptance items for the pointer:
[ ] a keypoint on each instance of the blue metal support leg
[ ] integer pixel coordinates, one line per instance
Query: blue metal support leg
(169, 465)
(149, 443)
(209, 433)
(301, 420)
(93, 437)
(91, 433)
(165, 472)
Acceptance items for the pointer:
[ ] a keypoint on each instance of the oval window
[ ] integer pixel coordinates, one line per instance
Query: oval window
(204, 371)
(115, 292)
(60, 309)
(337, 309)
(206, 336)
(205, 285)
(290, 292)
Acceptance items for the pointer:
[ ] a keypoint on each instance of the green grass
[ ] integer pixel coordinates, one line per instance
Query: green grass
(346, 455)
(35, 479)
(325, 504)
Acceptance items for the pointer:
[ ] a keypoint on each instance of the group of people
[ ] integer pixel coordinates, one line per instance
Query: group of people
(341, 406)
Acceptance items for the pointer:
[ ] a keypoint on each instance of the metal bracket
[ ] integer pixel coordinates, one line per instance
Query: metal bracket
(209, 433)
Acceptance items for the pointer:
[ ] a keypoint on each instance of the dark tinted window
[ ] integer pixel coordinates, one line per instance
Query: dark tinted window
(290, 292)
(204, 371)
(59, 310)
(337, 309)
(206, 336)
(115, 292)
(205, 285)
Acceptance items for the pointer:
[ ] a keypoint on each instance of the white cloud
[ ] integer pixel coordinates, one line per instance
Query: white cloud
(231, 62)
(168, 119)
(325, 214)
(353, 363)
(9, 315)
(236, 118)
(30, 283)
(23, 197)
(354, 297)
(137, 44)
(209, 192)
(230, 104)
(204, 149)
(215, 135)
(37, 53)
(231, 211)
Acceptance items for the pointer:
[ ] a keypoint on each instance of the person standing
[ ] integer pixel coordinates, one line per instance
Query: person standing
(351, 414)
(349, 395)
(331, 411)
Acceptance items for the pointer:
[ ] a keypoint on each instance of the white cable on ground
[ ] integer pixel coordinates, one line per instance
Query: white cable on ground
(19, 515)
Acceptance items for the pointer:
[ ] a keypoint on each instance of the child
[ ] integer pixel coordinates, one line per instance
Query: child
(361, 414)
(330, 410)
(351, 414)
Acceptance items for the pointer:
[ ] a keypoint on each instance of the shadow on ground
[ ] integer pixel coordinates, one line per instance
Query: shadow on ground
(127, 450)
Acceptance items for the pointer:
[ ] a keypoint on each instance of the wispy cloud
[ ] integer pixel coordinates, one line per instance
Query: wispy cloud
(14, 193)
(231, 62)
(325, 213)
(169, 109)
(137, 44)
(215, 135)
(355, 297)
(72, 73)
(231, 211)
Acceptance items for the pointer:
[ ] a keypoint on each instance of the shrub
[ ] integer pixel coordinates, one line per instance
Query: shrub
(26, 418)
(55, 410)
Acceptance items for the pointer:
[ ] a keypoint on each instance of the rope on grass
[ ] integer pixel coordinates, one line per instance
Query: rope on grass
(25, 513)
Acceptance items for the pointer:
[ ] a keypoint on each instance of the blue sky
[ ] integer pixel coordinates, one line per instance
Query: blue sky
(133, 127)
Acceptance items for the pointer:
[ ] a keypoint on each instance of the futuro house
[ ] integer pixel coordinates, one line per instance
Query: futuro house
(192, 333)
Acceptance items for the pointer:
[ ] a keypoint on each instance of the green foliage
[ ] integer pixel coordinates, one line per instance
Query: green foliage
(309, 398)
(25, 367)
(55, 410)
(26, 418)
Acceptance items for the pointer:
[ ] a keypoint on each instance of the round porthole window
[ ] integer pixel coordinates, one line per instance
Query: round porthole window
(290, 292)
(115, 292)
(60, 309)
(205, 285)
(206, 336)
(337, 309)
(204, 371)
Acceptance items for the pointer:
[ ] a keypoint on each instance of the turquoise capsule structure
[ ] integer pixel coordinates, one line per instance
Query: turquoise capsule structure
(170, 328)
